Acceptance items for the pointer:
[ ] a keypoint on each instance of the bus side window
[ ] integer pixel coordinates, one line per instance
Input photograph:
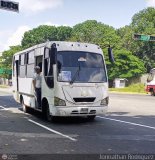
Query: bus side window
(30, 64)
(22, 67)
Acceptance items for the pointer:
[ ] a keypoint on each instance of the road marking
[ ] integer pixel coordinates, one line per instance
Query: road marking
(135, 124)
(3, 108)
(51, 130)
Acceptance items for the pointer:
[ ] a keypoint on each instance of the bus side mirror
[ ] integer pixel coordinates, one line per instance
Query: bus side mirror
(53, 53)
(110, 54)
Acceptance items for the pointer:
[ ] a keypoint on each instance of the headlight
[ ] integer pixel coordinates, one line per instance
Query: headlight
(104, 102)
(59, 102)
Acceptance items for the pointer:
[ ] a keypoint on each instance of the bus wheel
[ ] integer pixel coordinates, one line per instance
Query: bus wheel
(91, 118)
(152, 92)
(25, 108)
(48, 117)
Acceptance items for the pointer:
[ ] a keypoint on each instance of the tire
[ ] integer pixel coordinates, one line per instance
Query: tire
(152, 92)
(91, 118)
(46, 113)
(25, 108)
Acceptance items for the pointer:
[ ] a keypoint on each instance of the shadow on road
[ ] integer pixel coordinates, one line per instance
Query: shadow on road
(8, 101)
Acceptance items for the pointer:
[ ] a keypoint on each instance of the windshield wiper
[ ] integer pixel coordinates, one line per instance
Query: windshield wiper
(75, 75)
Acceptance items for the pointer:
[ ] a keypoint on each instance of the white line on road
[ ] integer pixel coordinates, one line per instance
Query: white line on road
(51, 130)
(131, 123)
(3, 108)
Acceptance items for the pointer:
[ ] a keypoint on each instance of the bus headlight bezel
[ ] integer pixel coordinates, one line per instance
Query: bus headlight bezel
(59, 102)
(105, 101)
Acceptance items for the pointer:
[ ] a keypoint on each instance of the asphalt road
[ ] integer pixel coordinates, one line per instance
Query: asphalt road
(128, 128)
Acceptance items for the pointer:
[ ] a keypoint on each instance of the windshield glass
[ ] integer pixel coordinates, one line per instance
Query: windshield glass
(83, 67)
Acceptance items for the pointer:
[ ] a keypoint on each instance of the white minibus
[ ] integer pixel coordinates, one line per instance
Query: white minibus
(74, 79)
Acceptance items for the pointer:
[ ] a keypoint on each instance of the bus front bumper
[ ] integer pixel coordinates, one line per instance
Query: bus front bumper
(78, 111)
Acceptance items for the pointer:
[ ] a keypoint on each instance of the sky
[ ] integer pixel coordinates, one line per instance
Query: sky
(32, 13)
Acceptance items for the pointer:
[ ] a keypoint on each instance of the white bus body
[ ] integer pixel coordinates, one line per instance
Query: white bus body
(74, 79)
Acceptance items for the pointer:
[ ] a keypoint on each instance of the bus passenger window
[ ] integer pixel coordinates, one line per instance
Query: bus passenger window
(22, 67)
(30, 64)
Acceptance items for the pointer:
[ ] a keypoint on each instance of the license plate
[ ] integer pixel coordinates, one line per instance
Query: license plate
(84, 110)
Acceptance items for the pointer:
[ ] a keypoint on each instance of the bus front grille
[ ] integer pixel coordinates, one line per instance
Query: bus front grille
(89, 99)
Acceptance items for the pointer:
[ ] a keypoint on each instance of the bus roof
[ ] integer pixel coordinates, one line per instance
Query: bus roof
(67, 46)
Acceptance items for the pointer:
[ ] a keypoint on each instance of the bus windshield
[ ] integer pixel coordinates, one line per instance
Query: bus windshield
(82, 67)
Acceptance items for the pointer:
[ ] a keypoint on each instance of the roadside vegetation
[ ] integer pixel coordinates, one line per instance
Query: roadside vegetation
(4, 86)
(134, 88)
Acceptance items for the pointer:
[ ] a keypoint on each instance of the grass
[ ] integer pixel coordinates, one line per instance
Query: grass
(134, 88)
(4, 86)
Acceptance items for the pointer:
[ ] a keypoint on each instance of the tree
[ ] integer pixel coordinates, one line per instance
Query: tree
(38, 35)
(142, 23)
(95, 32)
(63, 33)
(6, 59)
(45, 33)
(126, 65)
(126, 34)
